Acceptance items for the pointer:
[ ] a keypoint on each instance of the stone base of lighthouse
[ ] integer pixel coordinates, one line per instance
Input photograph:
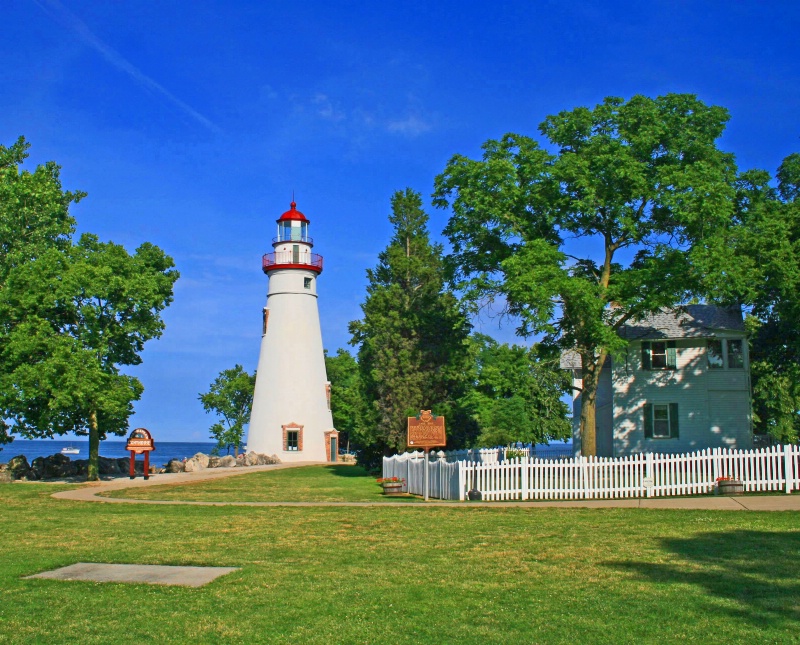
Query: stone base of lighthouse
(291, 416)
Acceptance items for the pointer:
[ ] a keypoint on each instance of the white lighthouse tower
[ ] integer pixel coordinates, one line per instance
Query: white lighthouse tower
(291, 415)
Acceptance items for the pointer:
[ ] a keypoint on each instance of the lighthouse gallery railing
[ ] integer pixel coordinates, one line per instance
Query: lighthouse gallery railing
(281, 258)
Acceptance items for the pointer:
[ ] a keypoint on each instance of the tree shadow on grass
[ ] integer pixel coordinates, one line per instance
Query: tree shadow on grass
(348, 470)
(757, 573)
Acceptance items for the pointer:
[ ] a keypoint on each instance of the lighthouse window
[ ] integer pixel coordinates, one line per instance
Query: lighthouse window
(307, 283)
(292, 439)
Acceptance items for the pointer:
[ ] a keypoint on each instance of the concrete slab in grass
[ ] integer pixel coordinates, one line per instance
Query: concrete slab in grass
(137, 573)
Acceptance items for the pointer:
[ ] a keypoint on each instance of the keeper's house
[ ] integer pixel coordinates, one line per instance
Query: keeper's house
(683, 384)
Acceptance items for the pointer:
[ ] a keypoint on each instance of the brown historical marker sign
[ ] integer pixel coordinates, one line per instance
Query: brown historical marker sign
(426, 431)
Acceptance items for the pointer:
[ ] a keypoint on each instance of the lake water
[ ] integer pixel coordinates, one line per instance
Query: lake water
(165, 450)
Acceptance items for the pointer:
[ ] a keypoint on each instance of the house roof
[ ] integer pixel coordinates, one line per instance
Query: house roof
(687, 321)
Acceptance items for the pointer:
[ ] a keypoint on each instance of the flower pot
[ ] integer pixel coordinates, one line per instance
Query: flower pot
(730, 487)
(392, 489)
(474, 495)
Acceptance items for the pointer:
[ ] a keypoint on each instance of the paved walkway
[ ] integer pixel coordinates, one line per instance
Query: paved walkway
(90, 493)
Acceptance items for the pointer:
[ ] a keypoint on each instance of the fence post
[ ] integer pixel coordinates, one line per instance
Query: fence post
(524, 478)
(648, 473)
(788, 470)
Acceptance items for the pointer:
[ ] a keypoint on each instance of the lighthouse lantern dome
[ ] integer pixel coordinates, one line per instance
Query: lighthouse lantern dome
(293, 226)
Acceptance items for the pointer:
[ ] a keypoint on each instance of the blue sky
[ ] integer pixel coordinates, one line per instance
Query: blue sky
(190, 124)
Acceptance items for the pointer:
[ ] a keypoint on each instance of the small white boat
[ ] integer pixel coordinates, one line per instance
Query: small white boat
(70, 450)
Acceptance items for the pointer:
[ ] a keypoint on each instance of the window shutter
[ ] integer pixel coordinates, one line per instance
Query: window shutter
(672, 355)
(648, 420)
(645, 356)
(673, 420)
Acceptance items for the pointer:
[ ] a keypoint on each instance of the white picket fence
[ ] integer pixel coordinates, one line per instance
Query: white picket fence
(495, 455)
(444, 482)
(644, 475)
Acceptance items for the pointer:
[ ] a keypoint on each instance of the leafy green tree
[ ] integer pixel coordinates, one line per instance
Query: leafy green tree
(767, 242)
(412, 340)
(517, 394)
(230, 397)
(621, 219)
(71, 315)
(347, 402)
(34, 217)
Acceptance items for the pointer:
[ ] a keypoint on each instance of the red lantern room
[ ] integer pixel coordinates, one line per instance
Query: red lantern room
(292, 244)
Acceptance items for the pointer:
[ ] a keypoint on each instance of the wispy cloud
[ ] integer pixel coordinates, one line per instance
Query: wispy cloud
(60, 13)
(326, 109)
(410, 126)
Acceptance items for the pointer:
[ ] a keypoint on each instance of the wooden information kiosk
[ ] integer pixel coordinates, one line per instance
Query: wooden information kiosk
(139, 442)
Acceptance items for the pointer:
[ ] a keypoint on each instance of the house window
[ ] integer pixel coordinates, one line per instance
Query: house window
(307, 283)
(661, 420)
(714, 353)
(725, 352)
(264, 320)
(662, 355)
(658, 356)
(735, 354)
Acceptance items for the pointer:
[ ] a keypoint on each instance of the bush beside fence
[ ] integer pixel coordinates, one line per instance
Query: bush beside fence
(644, 475)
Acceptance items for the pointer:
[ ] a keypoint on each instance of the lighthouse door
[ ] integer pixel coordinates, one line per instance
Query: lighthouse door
(295, 254)
(334, 448)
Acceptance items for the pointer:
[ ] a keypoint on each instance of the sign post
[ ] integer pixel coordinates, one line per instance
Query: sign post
(140, 442)
(426, 431)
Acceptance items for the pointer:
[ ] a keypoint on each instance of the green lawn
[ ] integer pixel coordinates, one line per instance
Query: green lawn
(400, 574)
(335, 483)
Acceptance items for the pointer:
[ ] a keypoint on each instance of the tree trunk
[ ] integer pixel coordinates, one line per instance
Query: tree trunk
(93, 470)
(590, 373)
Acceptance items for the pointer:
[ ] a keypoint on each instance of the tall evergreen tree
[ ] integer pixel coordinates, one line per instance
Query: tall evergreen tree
(412, 341)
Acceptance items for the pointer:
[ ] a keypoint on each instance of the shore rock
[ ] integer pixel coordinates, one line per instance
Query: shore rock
(201, 459)
(228, 461)
(175, 466)
(53, 467)
(18, 467)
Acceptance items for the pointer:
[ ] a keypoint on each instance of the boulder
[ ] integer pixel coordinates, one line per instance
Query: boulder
(5, 475)
(251, 459)
(18, 467)
(108, 466)
(213, 461)
(198, 462)
(201, 459)
(228, 461)
(55, 466)
(175, 466)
